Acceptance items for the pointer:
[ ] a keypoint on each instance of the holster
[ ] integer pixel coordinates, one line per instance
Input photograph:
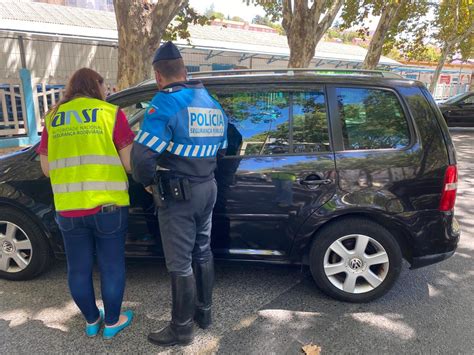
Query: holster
(170, 188)
(158, 193)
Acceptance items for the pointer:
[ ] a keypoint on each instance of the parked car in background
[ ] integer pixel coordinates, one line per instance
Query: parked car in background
(347, 172)
(458, 111)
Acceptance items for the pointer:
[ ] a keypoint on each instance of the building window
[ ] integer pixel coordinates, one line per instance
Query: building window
(192, 68)
(222, 66)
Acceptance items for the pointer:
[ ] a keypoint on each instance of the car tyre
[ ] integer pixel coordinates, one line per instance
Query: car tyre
(24, 250)
(355, 260)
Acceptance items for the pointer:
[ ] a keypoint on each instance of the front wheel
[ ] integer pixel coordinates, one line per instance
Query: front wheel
(355, 260)
(24, 250)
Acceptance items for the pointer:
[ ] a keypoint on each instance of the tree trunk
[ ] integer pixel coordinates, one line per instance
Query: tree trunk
(304, 29)
(302, 47)
(374, 52)
(471, 86)
(439, 67)
(449, 43)
(140, 26)
(134, 59)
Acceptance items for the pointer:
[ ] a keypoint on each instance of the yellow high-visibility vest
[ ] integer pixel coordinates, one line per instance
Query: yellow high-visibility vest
(84, 165)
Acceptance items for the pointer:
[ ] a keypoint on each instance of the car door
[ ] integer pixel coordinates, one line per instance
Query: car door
(143, 238)
(278, 169)
(460, 112)
(465, 114)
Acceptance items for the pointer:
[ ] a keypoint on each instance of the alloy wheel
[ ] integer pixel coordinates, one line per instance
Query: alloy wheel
(356, 263)
(15, 248)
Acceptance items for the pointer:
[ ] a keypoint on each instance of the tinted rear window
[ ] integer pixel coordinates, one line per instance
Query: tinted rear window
(429, 128)
(371, 119)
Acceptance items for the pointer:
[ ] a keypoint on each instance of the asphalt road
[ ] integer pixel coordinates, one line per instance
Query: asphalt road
(265, 309)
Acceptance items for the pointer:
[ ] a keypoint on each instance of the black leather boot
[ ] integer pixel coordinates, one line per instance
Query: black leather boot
(204, 274)
(180, 330)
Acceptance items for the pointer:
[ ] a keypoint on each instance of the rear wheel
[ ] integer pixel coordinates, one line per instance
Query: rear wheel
(24, 250)
(355, 260)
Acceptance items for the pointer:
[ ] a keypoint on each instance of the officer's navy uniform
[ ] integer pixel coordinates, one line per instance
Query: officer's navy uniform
(183, 131)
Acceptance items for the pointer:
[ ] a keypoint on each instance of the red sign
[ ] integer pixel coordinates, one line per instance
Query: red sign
(445, 79)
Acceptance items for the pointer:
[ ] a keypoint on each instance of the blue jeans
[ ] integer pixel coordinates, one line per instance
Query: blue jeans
(104, 234)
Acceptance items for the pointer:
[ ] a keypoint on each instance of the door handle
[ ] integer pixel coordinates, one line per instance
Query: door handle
(315, 182)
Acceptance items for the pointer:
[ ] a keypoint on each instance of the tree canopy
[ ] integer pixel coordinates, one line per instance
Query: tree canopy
(398, 18)
(453, 32)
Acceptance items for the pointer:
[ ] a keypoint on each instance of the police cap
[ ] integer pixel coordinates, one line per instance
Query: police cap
(167, 51)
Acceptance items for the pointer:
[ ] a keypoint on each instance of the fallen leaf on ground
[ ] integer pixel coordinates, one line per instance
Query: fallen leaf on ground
(311, 349)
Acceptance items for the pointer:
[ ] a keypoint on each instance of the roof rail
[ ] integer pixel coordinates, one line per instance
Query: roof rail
(289, 71)
(292, 71)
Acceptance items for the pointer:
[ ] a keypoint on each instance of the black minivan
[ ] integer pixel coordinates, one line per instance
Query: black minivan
(345, 171)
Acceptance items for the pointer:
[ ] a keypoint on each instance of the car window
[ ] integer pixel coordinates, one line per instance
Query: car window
(371, 119)
(310, 125)
(468, 100)
(454, 98)
(135, 114)
(258, 122)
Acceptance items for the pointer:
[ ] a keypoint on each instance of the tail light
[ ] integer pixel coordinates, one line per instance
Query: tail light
(448, 197)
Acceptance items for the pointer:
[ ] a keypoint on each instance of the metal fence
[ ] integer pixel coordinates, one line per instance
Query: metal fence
(12, 109)
(45, 96)
(444, 91)
(12, 104)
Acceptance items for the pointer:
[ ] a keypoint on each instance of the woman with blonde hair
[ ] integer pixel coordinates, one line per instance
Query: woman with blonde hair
(85, 150)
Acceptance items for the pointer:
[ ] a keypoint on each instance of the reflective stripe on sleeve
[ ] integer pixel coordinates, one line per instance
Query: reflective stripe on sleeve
(193, 151)
(178, 149)
(151, 141)
(90, 186)
(84, 160)
(143, 137)
(161, 147)
(137, 137)
(187, 150)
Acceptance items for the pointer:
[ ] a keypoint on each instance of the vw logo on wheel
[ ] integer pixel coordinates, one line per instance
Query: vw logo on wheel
(8, 247)
(356, 264)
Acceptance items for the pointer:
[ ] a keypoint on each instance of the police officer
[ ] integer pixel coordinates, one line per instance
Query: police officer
(174, 155)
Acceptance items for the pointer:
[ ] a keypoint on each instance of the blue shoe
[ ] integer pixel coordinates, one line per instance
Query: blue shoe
(110, 332)
(93, 329)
